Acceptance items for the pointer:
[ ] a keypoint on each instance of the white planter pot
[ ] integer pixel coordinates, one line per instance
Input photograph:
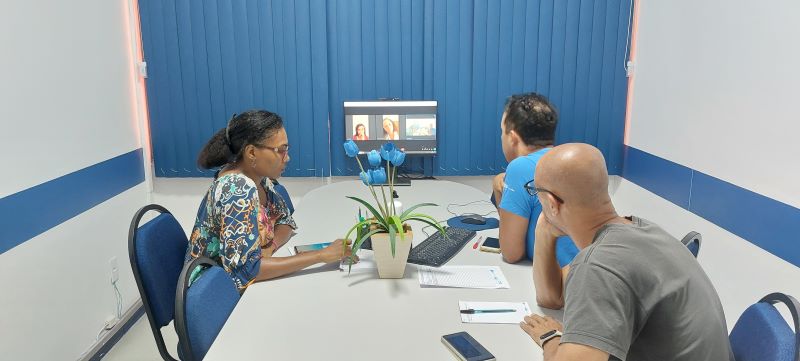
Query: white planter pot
(388, 266)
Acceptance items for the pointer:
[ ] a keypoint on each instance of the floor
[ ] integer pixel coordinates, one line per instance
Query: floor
(182, 196)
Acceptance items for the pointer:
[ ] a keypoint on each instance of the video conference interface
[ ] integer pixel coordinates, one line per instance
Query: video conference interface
(411, 125)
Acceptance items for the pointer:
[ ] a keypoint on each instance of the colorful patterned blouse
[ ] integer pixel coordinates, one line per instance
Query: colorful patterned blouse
(237, 230)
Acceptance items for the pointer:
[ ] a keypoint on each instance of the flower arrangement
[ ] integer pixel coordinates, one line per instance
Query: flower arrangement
(385, 218)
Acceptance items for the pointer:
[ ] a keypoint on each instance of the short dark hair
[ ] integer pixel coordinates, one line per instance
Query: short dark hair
(533, 117)
(250, 127)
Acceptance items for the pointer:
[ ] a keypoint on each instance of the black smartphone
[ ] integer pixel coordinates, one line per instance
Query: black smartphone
(491, 244)
(466, 348)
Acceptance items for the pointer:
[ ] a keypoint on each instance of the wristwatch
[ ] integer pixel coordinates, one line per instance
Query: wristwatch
(549, 335)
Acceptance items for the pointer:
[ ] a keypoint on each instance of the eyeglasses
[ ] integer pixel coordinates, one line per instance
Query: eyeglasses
(532, 190)
(283, 150)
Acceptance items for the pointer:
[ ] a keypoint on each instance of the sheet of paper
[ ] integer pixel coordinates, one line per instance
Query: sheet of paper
(521, 310)
(463, 277)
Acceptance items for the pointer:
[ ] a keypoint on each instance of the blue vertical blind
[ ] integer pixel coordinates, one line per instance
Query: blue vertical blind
(302, 59)
(210, 59)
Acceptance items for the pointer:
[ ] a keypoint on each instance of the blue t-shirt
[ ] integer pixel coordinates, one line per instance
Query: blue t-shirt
(517, 200)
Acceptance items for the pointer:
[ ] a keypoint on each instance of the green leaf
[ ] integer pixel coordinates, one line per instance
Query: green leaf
(408, 211)
(391, 239)
(375, 213)
(429, 220)
(359, 224)
(399, 226)
(357, 246)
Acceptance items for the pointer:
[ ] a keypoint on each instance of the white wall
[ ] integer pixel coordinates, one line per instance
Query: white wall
(716, 89)
(67, 101)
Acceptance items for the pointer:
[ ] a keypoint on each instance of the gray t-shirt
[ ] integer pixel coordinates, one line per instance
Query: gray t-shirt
(639, 294)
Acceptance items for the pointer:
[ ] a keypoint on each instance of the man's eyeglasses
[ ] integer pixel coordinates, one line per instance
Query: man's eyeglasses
(532, 190)
(282, 151)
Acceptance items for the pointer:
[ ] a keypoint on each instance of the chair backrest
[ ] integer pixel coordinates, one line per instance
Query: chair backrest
(157, 251)
(761, 333)
(202, 308)
(281, 190)
(692, 241)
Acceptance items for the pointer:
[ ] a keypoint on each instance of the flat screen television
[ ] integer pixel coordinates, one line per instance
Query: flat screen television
(410, 125)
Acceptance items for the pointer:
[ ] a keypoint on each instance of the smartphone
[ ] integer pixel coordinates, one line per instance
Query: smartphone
(310, 247)
(491, 244)
(465, 348)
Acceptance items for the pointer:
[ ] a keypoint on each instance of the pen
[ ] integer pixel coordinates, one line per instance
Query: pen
(470, 311)
(475, 246)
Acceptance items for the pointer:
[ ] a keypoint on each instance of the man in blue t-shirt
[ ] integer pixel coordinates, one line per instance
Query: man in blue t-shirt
(528, 129)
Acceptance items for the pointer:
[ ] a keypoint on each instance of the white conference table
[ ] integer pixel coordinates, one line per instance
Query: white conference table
(322, 313)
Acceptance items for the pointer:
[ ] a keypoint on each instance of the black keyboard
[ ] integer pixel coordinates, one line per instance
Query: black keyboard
(437, 250)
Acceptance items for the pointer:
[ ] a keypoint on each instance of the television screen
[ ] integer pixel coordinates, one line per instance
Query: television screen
(411, 125)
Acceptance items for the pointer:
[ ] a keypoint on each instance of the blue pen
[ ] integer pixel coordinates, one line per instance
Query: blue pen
(470, 311)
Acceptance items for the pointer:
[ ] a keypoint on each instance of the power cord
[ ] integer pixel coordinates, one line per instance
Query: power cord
(118, 295)
(470, 203)
(429, 226)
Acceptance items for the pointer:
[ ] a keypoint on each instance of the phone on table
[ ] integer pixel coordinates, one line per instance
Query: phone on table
(491, 244)
(463, 346)
(310, 247)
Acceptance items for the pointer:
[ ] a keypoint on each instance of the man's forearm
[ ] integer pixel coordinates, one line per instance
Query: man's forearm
(546, 273)
(498, 195)
(550, 348)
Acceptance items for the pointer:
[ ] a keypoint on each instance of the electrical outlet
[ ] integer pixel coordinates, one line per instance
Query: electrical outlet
(114, 269)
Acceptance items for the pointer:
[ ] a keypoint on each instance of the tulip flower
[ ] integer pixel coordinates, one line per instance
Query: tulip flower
(386, 151)
(378, 176)
(351, 148)
(366, 178)
(374, 158)
(398, 157)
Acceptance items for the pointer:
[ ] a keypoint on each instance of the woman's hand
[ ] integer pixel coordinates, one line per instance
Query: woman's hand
(337, 250)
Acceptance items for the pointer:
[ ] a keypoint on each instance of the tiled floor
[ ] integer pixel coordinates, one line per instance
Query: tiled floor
(181, 196)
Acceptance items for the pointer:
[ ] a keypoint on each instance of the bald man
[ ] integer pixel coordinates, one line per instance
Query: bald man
(633, 291)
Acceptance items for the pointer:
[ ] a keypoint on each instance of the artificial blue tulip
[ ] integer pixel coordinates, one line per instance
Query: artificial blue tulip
(366, 178)
(374, 158)
(398, 157)
(386, 151)
(378, 176)
(351, 148)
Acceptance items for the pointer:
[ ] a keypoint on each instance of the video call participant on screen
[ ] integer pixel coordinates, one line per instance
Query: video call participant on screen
(391, 129)
(634, 292)
(241, 220)
(528, 129)
(361, 133)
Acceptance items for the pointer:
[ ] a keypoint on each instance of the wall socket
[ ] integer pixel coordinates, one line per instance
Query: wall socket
(114, 269)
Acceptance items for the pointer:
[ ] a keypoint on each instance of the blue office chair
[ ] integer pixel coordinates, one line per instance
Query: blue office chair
(692, 241)
(157, 250)
(761, 333)
(281, 190)
(202, 308)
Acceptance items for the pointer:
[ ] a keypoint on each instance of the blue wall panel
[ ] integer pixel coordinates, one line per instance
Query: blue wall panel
(302, 59)
(33, 211)
(668, 180)
(774, 225)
